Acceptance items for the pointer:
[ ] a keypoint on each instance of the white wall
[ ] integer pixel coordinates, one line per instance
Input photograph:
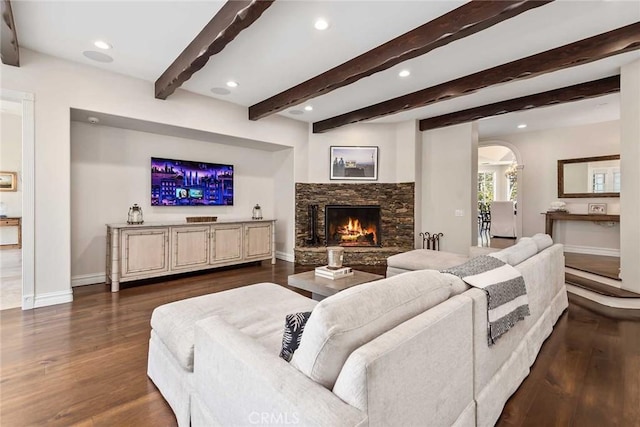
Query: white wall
(284, 203)
(540, 152)
(408, 141)
(396, 150)
(11, 161)
(59, 85)
(630, 177)
(110, 171)
(449, 168)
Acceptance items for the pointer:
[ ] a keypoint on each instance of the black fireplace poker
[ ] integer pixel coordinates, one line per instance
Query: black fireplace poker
(312, 225)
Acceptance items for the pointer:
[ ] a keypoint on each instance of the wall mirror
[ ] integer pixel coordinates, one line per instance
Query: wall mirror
(589, 177)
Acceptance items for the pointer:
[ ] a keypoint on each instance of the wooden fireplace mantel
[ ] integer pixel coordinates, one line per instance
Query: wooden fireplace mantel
(550, 217)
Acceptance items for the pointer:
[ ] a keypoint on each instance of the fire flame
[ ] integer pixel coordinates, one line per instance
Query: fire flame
(353, 230)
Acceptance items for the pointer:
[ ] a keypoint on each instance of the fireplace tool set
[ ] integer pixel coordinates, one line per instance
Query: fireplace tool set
(431, 241)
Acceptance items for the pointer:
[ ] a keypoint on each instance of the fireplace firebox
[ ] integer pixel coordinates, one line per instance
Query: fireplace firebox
(353, 225)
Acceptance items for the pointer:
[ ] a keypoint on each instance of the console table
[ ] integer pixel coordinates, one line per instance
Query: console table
(149, 250)
(550, 217)
(12, 222)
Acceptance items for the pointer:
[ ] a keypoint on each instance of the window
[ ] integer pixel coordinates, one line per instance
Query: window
(513, 190)
(616, 182)
(603, 179)
(598, 181)
(486, 187)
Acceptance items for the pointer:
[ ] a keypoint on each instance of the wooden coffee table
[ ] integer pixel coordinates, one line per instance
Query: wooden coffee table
(321, 287)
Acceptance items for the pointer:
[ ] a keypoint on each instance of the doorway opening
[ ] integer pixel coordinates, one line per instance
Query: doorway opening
(498, 196)
(17, 257)
(11, 205)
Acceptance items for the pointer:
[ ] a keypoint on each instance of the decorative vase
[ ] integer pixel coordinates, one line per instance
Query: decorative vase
(257, 212)
(135, 215)
(335, 255)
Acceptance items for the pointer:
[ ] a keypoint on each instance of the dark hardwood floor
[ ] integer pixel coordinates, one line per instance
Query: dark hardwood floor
(587, 374)
(485, 241)
(84, 363)
(606, 266)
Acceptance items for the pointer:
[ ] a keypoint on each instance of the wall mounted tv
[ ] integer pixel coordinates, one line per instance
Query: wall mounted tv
(188, 183)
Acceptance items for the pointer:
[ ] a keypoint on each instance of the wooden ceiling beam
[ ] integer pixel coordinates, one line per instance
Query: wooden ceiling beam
(235, 16)
(615, 42)
(563, 95)
(464, 21)
(9, 49)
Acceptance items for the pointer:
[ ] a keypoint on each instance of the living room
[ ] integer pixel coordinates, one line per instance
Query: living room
(86, 175)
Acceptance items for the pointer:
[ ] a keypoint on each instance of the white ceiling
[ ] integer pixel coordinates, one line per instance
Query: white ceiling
(495, 155)
(283, 49)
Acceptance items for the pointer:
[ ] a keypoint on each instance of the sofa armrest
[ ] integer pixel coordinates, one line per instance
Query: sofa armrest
(241, 383)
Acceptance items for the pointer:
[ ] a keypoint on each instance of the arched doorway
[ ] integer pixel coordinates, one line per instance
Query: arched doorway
(499, 180)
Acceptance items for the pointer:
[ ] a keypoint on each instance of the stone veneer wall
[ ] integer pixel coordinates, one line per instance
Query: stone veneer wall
(396, 216)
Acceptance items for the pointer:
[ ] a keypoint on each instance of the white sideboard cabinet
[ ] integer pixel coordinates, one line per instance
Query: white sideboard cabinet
(143, 251)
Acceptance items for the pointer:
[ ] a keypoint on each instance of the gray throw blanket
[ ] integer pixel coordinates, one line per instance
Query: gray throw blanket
(507, 301)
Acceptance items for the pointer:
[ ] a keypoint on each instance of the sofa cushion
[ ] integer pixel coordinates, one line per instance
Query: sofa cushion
(542, 241)
(345, 321)
(425, 259)
(293, 329)
(256, 310)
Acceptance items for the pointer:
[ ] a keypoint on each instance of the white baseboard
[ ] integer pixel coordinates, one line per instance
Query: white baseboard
(53, 298)
(285, 256)
(590, 250)
(88, 279)
(27, 302)
(627, 303)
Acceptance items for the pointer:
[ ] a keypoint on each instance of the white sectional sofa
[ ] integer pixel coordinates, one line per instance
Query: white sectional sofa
(406, 350)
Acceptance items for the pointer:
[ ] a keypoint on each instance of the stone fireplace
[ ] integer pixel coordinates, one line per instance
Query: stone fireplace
(352, 225)
(319, 204)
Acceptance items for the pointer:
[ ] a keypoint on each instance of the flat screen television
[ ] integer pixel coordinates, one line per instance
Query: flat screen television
(188, 183)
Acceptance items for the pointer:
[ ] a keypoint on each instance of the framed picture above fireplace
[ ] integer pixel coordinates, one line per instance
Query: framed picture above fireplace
(354, 163)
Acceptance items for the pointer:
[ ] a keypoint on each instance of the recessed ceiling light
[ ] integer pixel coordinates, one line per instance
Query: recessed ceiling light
(321, 24)
(220, 91)
(93, 120)
(296, 112)
(231, 83)
(100, 44)
(97, 56)
(522, 126)
(308, 108)
(404, 73)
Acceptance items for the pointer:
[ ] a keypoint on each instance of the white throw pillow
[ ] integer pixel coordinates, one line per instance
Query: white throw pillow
(542, 241)
(514, 255)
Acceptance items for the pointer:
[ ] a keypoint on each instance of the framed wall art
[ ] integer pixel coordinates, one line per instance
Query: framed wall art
(597, 209)
(8, 181)
(354, 163)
